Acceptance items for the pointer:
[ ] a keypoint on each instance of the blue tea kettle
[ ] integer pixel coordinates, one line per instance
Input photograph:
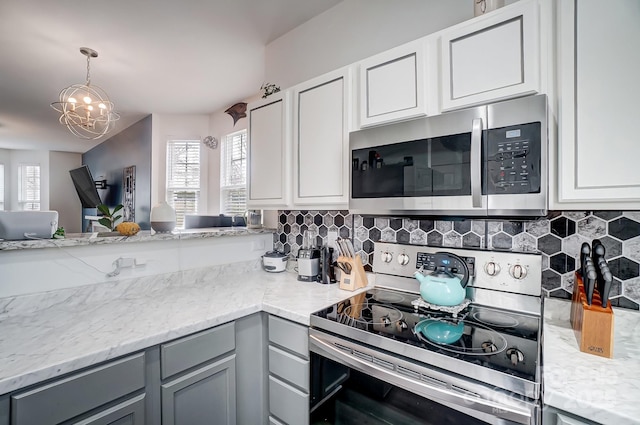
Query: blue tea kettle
(442, 287)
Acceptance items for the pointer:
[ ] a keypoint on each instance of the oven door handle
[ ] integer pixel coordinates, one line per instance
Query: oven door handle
(445, 395)
(476, 165)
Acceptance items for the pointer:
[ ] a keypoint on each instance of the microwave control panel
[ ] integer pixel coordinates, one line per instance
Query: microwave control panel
(514, 159)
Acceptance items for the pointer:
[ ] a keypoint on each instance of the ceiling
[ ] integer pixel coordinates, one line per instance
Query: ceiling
(155, 56)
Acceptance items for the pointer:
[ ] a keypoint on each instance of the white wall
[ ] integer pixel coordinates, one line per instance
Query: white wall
(5, 159)
(353, 30)
(166, 127)
(62, 194)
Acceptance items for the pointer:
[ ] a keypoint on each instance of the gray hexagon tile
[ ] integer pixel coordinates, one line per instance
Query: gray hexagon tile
(537, 228)
(452, 239)
(631, 249)
(558, 237)
(592, 227)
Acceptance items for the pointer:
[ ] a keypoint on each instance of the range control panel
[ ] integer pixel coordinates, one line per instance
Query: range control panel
(429, 261)
(506, 271)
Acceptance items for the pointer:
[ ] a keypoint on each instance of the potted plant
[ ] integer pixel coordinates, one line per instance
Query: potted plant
(110, 218)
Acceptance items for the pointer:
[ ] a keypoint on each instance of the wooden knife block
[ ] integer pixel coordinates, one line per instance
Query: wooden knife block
(357, 278)
(592, 324)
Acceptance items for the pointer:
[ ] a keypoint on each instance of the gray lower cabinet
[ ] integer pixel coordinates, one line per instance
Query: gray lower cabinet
(102, 395)
(199, 378)
(553, 416)
(288, 372)
(206, 396)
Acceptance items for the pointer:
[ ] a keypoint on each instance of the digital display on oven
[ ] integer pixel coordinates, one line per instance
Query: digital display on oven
(427, 262)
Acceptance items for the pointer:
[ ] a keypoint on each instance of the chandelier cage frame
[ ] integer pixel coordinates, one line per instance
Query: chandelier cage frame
(85, 108)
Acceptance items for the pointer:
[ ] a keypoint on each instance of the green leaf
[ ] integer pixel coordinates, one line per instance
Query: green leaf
(117, 208)
(116, 218)
(104, 209)
(105, 222)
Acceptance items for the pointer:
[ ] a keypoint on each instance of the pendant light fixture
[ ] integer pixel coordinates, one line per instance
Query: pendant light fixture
(84, 108)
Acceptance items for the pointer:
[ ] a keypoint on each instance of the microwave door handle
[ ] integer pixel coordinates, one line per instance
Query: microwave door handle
(476, 165)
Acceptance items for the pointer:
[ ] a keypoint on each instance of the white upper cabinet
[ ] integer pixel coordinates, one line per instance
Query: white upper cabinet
(392, 84)
(598, 91)
(492, 57)
(321, 117)
(269, 152)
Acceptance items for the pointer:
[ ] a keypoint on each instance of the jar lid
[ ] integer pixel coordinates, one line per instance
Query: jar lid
(274, 254)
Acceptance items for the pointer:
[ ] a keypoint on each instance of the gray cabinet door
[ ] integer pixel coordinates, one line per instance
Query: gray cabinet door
(206, 396)
(130, 412)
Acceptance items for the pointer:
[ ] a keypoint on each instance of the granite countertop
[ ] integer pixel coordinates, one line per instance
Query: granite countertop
(85, 326)
(596, 388)
(85, 239)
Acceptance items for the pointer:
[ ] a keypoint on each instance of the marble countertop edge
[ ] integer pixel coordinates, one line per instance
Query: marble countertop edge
(85, 239)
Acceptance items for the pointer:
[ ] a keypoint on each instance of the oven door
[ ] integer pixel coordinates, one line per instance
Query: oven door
(356, 384)
(427, 166)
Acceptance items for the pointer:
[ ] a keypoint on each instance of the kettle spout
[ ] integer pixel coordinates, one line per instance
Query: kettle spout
(418, 275)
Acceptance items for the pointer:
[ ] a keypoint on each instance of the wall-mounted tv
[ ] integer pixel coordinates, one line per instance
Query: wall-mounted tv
(85, 186)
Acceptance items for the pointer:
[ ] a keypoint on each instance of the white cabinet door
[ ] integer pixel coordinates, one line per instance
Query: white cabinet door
(598, 62)
(392, 84)
(492, 57)
(321, 141)
(269, 152)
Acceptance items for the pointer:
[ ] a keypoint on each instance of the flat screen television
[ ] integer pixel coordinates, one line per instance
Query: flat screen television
(85, 186)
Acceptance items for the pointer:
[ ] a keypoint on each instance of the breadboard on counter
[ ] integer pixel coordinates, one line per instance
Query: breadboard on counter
(592, 324)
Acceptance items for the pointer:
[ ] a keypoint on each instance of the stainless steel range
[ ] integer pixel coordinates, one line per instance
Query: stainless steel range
(385, 356)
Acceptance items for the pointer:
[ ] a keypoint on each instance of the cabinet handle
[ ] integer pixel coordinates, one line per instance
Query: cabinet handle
(476, 166)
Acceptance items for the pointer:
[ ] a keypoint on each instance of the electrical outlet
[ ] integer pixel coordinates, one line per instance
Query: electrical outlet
(332, 235)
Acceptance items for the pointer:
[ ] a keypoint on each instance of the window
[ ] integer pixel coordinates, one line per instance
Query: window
(183, 177)
(29, 187)
(1, 187)
(233, 178)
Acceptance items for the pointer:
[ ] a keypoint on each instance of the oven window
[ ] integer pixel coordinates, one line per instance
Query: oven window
(363, 399)
(438, 166)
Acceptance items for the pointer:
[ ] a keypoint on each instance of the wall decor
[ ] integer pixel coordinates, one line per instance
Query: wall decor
(129, 193)
(269, 89)
(237, 111)
(210, 142)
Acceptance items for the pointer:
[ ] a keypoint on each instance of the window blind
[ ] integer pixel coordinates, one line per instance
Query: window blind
(183, 177)
(29, 187)
(233, 179)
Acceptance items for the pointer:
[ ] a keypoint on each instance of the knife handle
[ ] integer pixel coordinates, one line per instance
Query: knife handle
(590, 284)
(606, 287)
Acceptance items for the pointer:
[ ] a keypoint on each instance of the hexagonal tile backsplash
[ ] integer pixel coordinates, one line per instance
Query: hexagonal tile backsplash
(557, 237)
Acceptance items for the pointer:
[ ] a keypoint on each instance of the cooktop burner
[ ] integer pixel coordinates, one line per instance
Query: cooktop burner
(500, 340)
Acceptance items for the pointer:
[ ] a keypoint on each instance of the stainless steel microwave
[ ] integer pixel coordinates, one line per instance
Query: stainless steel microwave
(489, 160)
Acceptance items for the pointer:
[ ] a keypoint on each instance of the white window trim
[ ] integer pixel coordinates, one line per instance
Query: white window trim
(172, 188)
(225, 189)
(22, 203)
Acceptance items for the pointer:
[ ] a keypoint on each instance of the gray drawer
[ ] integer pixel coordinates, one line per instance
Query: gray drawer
(289, 367)
(64, 399)
(289, 335)
(180, 355)
(287, 403)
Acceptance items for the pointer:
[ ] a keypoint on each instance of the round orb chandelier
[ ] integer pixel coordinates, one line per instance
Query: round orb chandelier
(84, 108)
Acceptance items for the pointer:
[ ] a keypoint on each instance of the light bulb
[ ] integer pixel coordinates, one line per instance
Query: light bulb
(102, 106)
(72, 100)
(90, 107)
(87, 99)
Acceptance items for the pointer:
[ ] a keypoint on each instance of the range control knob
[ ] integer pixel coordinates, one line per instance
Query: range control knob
(515, 356)
(489, 347)
(492, 268)
(518, 271)
(403, 259)
(386, 257)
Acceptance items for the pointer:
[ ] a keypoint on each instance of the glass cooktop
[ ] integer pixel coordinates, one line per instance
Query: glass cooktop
(500, 340)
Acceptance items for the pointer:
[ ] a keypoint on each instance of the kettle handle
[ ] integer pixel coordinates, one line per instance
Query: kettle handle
(465, 278)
